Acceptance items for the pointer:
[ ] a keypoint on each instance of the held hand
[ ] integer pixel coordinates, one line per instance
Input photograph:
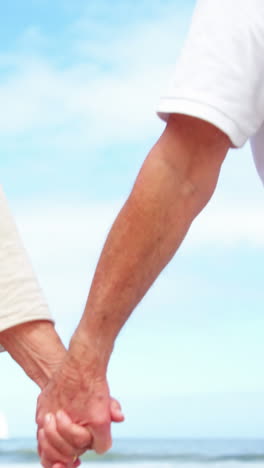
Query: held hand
(63, 440)
(85, 422)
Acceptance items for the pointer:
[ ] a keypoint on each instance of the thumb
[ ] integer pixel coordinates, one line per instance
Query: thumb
(116, 411)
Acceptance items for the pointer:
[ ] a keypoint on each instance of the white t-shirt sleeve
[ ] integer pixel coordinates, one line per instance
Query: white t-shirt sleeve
(21, 299)
(219, 76)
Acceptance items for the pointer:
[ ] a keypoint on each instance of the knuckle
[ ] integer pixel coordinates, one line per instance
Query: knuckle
(49, 432)
(59, 429)
(82, 441)
(73, 440)
(61, 425)
(67, 451)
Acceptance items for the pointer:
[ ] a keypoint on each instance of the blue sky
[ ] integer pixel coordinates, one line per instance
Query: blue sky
(79, 83)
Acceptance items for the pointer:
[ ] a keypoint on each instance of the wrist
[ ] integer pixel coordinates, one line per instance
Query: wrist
(90, 351)
(36, 347)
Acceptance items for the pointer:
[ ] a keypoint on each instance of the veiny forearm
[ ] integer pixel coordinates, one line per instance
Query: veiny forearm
(174, 184)
(36, 347)
(141, 242)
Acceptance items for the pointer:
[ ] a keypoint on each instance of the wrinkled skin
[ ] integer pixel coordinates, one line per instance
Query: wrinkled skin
(84, 423)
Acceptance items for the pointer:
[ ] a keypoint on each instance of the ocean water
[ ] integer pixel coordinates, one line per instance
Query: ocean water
(150, 453)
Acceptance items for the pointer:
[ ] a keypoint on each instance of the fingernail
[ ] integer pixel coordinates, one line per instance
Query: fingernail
(61, 415)
(48, 418)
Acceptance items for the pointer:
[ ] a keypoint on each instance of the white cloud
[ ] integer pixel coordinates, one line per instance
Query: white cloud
(79, 106)
(111, 91)
(229, 226)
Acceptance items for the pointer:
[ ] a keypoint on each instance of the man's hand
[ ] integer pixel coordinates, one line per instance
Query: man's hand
(37, 348)
(82, 393)
(61, 439)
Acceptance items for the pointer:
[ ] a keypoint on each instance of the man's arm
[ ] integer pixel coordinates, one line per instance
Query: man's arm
(176, 181)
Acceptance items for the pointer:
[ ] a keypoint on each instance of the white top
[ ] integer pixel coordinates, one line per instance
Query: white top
(21, 299)
(220, 74)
